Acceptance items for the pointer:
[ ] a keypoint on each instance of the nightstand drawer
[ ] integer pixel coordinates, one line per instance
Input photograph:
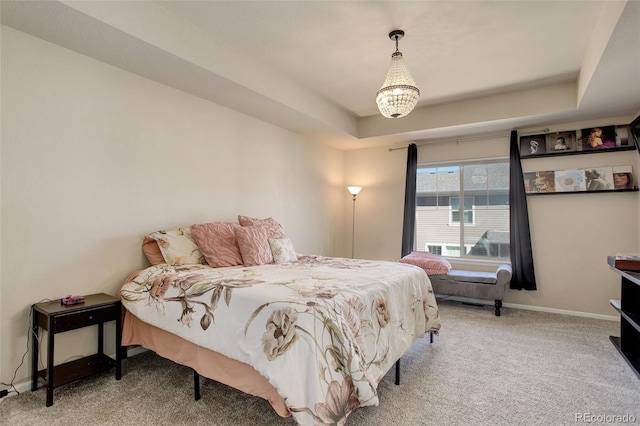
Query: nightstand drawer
(74, 320)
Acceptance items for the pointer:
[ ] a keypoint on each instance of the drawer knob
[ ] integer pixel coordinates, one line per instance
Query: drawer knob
(90, 316)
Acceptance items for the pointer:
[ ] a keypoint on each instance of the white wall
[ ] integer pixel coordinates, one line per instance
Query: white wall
(572, 234)
(93, 157)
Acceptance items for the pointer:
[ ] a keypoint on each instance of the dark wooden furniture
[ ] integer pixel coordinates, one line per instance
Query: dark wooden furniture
(628, 344)
(57, 318)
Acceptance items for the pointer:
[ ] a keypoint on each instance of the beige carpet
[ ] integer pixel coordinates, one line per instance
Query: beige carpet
(524, 367)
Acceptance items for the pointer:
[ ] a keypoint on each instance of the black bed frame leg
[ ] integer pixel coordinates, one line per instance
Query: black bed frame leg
(430, 337)
(498, 306)
(196, 385)
(398, 372)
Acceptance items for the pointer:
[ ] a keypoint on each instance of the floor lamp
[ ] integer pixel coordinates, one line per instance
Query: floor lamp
(354, 190)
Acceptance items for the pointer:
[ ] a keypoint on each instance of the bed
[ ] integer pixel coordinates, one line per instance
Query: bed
(312, 335)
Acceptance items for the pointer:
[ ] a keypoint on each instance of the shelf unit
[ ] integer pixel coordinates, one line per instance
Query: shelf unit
(628, 343)
(588, 151)
(629, 147)
(607, 191)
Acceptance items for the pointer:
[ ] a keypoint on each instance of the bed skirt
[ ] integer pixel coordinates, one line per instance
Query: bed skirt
(206, 362)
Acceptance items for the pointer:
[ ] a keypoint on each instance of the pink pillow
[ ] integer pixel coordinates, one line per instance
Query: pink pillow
(273, 228)
(151, 249)
(217, 242)
(254, 245)
(431, 263)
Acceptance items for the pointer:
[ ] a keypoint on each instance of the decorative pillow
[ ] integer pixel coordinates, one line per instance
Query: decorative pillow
(273, 228)
(151, 249)
(254, 245)
(282, 250)
(217, 242)
(431, 263)
(178, 247)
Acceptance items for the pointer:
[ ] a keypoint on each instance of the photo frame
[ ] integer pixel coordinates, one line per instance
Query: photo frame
(623, 177)
(539, 182)
(599, 178)
(561, 142)
(570, 181)
(532, 145)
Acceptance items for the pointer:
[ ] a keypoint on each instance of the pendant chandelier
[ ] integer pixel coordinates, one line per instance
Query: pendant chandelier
(399, 94)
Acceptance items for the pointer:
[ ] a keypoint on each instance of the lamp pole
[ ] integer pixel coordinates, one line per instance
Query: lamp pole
(353, 227)
(354, 190)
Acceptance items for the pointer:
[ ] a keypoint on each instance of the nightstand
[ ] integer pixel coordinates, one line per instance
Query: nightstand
(57, 318)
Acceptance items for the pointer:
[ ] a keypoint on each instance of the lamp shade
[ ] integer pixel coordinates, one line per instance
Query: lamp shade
(354, 190)
(399, 94)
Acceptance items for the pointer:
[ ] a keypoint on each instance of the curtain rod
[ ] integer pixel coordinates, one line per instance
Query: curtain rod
(470, 138)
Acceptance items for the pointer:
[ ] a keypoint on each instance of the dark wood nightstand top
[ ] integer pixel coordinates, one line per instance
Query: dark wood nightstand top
(90, 301)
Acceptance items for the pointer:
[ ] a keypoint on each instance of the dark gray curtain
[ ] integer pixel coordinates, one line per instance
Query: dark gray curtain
(409, 223)
(523, 276)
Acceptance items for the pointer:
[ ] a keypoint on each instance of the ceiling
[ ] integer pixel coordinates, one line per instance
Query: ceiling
(314, 67)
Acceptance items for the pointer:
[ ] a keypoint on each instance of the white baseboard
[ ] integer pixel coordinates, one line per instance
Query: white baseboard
(25, 386)
(532, 308)
(562, 311)
(135, 350)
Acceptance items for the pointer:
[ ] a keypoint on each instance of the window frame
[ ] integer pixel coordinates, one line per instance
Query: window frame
(461, 211)
(462, 194)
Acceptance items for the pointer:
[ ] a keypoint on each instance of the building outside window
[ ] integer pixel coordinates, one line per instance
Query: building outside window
(477, 192)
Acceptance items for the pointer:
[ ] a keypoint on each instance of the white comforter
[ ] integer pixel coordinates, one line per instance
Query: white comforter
(323, 331)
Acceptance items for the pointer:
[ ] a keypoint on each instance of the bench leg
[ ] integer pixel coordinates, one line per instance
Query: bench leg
(498, 306)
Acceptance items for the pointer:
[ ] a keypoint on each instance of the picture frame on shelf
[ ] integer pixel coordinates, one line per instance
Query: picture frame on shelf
(570, 181)
(539, 182)
(532, 145)
(623, 177)
(599, 178)
(561, 142)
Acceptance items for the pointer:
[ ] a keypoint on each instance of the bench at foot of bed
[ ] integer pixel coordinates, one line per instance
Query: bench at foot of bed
(474, 284)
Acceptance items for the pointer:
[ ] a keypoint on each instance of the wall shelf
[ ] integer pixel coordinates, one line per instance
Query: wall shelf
(565, 153)
(529, 194)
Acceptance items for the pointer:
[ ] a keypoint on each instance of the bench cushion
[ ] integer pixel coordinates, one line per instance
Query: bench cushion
(467, 276)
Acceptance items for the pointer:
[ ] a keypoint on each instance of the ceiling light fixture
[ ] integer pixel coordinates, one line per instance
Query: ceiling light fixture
(399, 93)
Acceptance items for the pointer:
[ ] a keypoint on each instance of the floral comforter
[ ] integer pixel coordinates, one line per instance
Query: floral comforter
(323, 331)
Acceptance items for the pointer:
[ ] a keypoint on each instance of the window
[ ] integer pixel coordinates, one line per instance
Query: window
(462, 209)
(434, 249)
(467, 210)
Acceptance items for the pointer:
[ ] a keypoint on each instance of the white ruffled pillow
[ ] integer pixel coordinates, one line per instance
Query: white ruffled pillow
(282, 250)
(178, 247)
